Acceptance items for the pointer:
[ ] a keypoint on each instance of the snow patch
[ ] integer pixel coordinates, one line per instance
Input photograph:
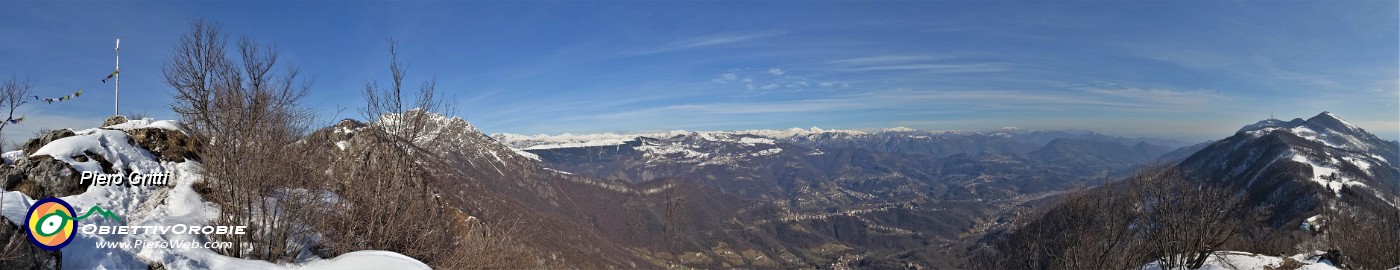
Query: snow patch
(112, 145)
(149, 123)
(558, 171)
(1320, 170)
(1229, 260)
(753, 140)
(11, 156)
(898, 129)
(1364, 165)
(1311, 135)
(601, 142)
(367, 260)
(526, 154)
(768, 152)
(671, 151)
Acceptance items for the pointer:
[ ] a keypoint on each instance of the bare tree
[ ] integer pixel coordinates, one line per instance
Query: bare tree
(392, 167)
(1090, 229)
(1156, 214)
(380, 102)
(252, 119)
(195, 68)
(13, 94)
(1365, 239)
(1187, 221)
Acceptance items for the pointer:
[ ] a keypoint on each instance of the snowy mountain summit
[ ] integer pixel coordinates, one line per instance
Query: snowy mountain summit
(1326, 128)
(1301, 165)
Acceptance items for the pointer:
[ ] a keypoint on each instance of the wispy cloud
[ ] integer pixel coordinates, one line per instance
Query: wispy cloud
(887, 59)
(914, 63)
(709, 41)
(938, 68)
(1158, 96)
(725, 78)
(772, 79)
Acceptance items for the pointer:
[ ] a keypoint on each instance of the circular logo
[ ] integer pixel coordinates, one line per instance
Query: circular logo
(50, 222)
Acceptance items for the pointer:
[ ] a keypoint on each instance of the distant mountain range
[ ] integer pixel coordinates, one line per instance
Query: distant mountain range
(887, 198)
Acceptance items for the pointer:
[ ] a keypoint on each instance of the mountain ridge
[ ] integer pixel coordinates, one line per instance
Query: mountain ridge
(1302, 165)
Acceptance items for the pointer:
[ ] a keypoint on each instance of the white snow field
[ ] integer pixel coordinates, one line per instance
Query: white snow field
(151, 206)
(1235, 260)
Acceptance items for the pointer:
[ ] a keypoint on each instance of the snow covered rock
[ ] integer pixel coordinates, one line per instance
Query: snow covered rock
(113, 120)
(34, 144)
(169, 145)
(41, 177)
(171, 125)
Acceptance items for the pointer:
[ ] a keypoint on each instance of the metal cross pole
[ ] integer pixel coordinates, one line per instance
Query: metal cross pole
(116, 87)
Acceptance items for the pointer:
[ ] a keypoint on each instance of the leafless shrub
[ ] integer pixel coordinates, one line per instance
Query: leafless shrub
(1365, 239)
(141, 114)
(1087, 230)
(1187, 221)
(493, 247)
(386, 186)
(252, 120)
(1156, 214)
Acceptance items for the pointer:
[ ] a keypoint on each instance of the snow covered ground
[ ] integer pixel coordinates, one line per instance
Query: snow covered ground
(156, 206)
(1234, 260)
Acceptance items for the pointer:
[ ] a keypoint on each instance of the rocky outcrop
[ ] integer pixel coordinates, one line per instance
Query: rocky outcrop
(44, 176)
(19, 254)
(169, 145)
(38, 142)
(115, 119)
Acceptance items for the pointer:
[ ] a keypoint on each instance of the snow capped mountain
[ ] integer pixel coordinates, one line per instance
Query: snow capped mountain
(451, 136)
(569, 140)
(1300, 165)
(1326, 128)
(903, 140)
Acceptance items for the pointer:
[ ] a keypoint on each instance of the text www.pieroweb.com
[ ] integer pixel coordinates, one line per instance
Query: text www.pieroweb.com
(163, 244)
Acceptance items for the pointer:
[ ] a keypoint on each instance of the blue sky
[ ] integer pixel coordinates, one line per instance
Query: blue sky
(1188, 69)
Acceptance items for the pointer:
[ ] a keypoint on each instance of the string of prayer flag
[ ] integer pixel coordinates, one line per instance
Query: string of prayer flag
(62, 98)
(109, 76)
